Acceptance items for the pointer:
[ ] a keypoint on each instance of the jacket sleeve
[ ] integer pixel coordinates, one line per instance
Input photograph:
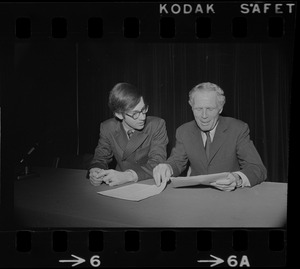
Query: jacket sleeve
(103, 152)
(248, 157)
(178, 158)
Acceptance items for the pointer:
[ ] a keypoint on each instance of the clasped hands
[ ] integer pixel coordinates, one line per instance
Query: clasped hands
(163, 172)
(111, 177)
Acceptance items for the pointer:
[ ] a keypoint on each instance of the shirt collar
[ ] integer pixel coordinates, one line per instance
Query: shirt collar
(211, 132)
(126, 128)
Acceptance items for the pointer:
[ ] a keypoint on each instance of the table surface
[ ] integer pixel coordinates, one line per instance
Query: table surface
(65, 198)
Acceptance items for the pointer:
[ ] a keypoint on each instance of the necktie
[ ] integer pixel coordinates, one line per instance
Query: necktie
(130, 133)
(207, 144)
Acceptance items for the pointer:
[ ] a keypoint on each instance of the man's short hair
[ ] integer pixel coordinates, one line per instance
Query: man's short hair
(210, 87)
(123, 97)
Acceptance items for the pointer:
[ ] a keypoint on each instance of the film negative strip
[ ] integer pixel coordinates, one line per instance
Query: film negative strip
(59, 62)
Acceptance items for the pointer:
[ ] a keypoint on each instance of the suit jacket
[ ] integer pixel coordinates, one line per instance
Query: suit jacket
(141, 153)
(231, 150)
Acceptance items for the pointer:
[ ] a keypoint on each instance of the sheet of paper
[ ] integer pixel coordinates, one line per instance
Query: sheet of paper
(197, 180)
(135, 192)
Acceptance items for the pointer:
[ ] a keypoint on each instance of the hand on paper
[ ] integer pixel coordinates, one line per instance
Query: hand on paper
(95, 177)
(227, 184)
(162, 173)
(112, 177)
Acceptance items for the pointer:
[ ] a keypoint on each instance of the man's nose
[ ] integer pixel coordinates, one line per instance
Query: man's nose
(204, 113)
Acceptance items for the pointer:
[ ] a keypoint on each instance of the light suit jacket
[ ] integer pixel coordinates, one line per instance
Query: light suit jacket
(231, 150)
(141, 153)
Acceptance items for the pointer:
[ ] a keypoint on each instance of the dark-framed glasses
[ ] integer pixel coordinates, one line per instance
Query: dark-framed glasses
(135, 114)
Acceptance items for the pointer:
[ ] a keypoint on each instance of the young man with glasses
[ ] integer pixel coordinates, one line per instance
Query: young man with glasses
(138, 143)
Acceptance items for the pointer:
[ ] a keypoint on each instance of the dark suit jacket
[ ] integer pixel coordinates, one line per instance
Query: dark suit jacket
(141, 153)
(231, 150)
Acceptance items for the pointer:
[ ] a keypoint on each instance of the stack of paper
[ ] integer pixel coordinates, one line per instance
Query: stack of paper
(138, 191)
(135, 192)
(197, 180)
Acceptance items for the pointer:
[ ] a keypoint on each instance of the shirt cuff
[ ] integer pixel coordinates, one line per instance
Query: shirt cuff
(134, 175)
(245, 180)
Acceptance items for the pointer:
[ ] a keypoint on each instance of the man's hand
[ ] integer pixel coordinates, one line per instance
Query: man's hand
(228, 184)
(161, 173)
(112, 177)
(95, 177)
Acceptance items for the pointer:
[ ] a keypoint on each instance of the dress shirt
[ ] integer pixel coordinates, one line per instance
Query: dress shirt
(127, 129)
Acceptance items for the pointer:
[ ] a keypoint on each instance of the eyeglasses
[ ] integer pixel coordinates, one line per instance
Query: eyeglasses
(136, 114)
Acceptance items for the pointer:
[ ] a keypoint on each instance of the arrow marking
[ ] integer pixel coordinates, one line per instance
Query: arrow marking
(77, 261)
(214, 262)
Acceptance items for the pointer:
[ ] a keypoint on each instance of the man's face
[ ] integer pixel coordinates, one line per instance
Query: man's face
(139, 122)
(205, 109)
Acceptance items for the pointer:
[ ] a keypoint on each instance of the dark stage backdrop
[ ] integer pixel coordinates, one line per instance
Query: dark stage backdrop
(63, 89)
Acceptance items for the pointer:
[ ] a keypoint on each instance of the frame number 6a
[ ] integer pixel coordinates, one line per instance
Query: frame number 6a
(232, 261)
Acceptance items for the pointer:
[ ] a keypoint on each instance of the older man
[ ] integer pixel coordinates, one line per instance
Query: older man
(212, 144)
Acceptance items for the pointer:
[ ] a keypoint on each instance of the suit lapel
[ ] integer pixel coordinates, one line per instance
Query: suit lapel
(135, 141)
(197, 143)
(219, 138)
(121, 137)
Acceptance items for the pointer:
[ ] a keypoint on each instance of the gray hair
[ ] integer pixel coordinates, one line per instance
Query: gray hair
(209, 87)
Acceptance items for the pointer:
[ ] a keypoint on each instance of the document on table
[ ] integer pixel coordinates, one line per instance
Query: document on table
(135, 192)
(197, 180)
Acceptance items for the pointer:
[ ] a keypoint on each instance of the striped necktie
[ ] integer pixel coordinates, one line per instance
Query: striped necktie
(207, 144)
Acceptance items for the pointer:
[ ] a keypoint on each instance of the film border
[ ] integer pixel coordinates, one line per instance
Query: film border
(181, 33)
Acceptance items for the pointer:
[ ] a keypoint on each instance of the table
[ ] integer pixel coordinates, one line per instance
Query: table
(65, 198)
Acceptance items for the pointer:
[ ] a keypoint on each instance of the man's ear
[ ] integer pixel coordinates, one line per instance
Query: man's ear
(119, 116)
(221, 109)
